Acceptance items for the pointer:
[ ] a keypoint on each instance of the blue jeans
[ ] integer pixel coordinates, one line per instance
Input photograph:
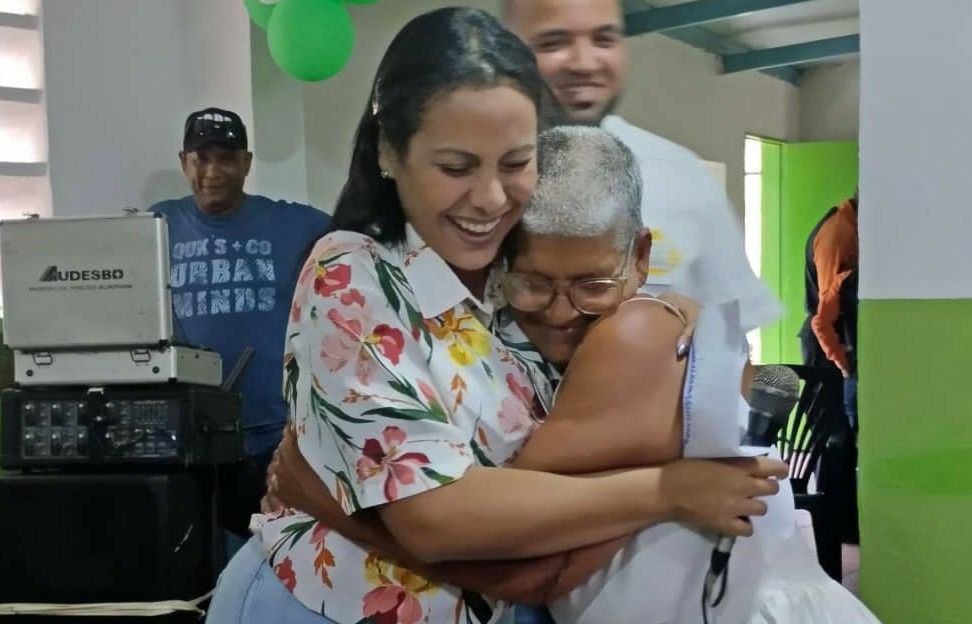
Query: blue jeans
(850, 401)
(248, 592)
(532, 615)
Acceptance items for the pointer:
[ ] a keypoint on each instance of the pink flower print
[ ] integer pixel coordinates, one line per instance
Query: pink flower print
(339, 349)
(515, 409)
(319, 533)
(354, 340)
(394, 600)
(285, 572)
(390, 604)
(398, 467)
(352, 297)
(427, 391)
(435, 406)
(329, 279)
(389, 340)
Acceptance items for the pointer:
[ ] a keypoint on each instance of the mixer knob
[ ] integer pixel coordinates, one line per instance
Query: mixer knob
(30, 444)
(58, 414)
(30, 414)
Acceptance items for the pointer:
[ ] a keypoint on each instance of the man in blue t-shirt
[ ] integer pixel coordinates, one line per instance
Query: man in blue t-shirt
(235, 259)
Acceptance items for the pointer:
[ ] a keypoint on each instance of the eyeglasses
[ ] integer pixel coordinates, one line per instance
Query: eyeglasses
(593, 296)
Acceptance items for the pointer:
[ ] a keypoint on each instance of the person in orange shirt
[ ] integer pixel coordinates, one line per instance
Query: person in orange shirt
(829, 335)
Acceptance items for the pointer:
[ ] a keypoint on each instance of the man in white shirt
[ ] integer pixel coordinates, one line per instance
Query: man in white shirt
(698, 246)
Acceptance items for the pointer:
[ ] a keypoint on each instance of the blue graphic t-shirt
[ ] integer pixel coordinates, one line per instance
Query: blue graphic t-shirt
(232, 279)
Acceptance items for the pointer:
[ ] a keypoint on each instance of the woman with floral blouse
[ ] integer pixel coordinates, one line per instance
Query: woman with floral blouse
(404, 401)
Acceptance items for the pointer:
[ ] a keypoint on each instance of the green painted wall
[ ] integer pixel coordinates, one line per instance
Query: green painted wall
(815, 176)
(915, 483)
(801, 181)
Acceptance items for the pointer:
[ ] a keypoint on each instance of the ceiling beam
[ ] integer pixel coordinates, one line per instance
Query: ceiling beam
(16, 20)
(695, 14)
(699, 37)
(17, 94)
(710, 42)
(22, 169)
(786, 56)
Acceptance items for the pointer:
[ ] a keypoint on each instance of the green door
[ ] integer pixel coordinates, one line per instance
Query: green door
(800, 183)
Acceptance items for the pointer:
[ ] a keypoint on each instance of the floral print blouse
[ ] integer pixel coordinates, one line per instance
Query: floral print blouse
(396, 385)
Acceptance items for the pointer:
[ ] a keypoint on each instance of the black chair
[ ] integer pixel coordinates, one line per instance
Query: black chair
(816, 426)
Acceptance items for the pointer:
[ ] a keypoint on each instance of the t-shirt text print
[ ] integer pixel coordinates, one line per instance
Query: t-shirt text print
(217, 275)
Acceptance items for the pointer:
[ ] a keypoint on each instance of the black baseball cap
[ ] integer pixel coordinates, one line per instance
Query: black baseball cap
(214, 126)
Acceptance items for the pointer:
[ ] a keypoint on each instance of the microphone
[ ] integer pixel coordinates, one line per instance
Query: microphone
(772, 396)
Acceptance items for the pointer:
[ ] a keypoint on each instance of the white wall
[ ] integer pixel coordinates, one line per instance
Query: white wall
(830, 102)
(121, 77)
(277, 134)
(674, 90)
(23, 126)
(915, 138)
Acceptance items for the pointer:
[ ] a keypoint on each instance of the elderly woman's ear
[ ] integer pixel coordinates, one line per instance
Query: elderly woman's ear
(642, 253)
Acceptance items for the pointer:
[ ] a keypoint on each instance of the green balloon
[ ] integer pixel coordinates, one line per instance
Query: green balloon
(310, 39)
(260, 11)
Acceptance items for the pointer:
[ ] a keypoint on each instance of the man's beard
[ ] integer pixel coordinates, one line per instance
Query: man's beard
(594, 121)
(553, 113)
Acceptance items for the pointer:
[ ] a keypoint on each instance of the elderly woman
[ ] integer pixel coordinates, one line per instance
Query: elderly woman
(579, 257)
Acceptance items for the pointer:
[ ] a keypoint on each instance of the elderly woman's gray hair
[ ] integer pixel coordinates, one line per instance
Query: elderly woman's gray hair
(590, 185)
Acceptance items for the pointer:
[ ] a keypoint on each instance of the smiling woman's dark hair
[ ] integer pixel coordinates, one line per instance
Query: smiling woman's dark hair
(433, 55)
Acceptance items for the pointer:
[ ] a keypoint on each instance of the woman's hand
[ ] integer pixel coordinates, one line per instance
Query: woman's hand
(719, 495)
(688, 310)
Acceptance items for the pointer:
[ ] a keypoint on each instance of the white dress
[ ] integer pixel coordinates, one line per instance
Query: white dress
(657, 578)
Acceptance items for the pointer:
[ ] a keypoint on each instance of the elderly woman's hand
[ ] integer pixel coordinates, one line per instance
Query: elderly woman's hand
(718, 495)
(687, 309)
(291, 482)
